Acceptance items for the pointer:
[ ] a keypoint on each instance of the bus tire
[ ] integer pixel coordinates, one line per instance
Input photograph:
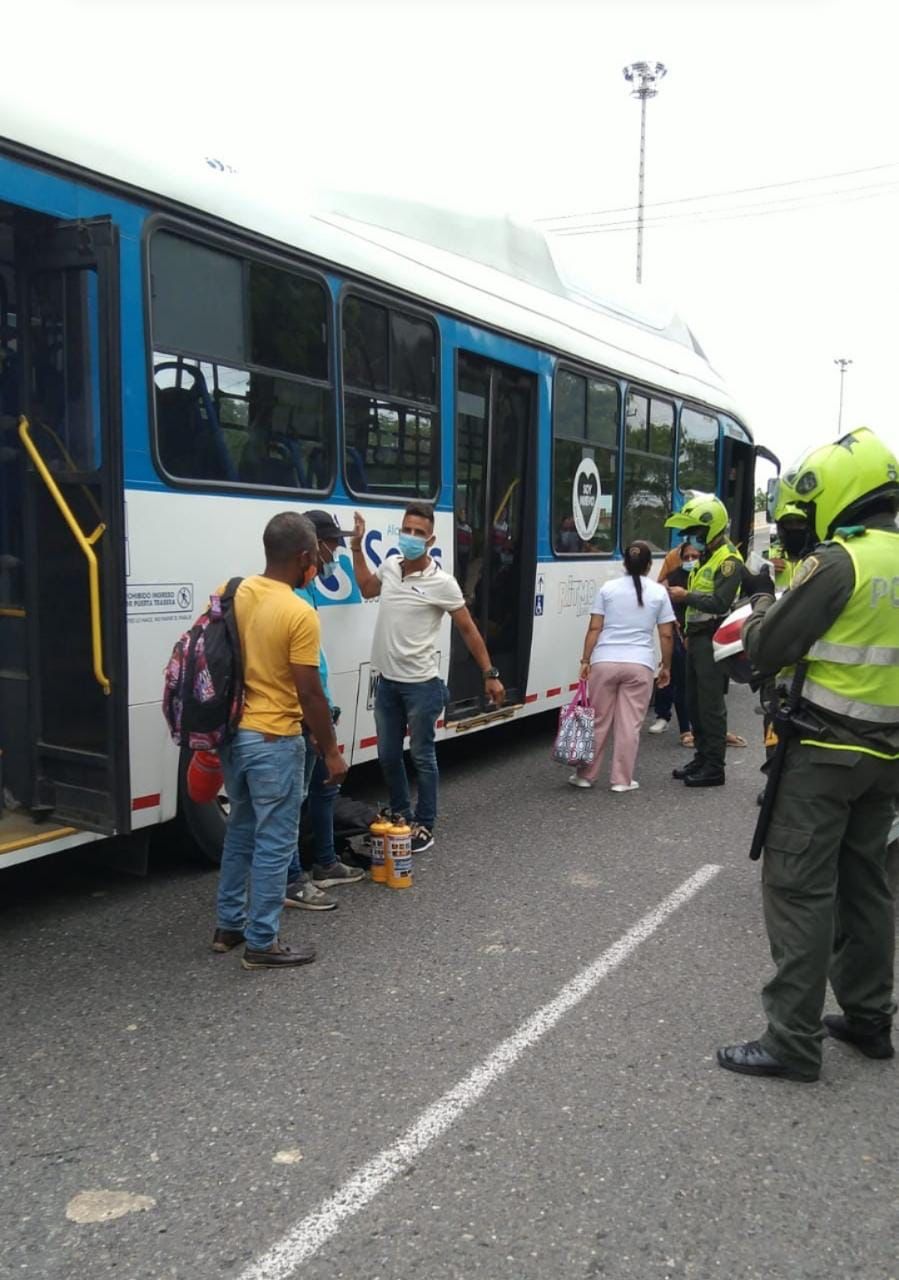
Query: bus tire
(203, 824)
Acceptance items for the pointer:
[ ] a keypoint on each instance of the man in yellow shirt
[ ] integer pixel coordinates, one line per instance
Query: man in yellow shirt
(263, 763)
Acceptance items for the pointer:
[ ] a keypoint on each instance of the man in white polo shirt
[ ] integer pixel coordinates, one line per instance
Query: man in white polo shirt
(415, 593)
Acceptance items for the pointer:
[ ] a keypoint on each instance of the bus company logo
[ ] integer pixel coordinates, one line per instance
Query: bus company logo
(586, 492)
(577, 594)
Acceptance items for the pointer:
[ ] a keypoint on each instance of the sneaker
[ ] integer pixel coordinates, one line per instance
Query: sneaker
(576, 781)
(309, 897)
(335, 873)
(278, 956)
(659, 727)
(225, 939)
(422, 839)
(625, 786)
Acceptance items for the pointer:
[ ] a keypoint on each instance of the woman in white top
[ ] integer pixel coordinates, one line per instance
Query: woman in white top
(619, 663)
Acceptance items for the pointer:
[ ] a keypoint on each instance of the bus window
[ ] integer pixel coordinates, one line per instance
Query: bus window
(240, 369)
(648, 467)
(390, 401)
(697, 463)
(585, 427)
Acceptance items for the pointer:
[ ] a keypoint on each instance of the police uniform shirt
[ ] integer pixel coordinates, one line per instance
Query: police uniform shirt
(781, 632)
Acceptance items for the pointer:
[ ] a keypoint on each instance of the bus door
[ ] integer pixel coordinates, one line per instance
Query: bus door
(495, 530)
(70, 749)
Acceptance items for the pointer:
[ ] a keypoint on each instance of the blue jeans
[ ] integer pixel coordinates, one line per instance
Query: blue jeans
(320, 801)
(263, 784)
(398, 705)
(676, 691)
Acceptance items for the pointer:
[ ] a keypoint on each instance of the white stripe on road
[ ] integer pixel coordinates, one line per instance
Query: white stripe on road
(315, 1230)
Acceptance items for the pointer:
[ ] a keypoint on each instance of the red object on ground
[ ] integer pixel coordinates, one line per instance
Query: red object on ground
(204, 777)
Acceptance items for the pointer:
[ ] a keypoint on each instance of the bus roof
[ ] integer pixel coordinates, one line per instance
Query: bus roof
(494, 269)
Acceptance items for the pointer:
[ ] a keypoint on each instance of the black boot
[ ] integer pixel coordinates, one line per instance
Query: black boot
(692, 766)
(707, 776)
(873, 1044)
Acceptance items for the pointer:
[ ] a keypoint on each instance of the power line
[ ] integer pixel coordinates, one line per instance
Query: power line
(738, 212)
(718, 195)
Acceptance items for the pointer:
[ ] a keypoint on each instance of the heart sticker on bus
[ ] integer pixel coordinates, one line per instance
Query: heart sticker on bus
(585, 496)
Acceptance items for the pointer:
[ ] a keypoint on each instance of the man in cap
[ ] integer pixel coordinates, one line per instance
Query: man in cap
(306, 889)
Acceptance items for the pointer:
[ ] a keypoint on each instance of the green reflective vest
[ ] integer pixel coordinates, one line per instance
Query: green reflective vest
(853, 670)
(783, 578)
(702, 580)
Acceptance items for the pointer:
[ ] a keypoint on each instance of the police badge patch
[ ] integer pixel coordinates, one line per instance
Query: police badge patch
(809, 566)
(729, 567)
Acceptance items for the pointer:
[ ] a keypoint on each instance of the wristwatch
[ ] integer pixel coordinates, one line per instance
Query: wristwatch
(492, 673)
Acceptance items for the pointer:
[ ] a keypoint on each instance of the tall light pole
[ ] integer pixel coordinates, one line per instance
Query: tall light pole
(844, 365)
(644, 76)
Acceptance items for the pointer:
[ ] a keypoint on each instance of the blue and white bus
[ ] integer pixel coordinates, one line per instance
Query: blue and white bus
(184, 352)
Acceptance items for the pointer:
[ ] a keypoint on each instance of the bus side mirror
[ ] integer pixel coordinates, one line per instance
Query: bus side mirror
(771, 498)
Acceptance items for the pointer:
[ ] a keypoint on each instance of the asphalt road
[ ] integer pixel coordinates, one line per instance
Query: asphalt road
(134, 1061)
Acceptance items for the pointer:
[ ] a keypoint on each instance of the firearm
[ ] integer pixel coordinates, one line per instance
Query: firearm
(785, 725)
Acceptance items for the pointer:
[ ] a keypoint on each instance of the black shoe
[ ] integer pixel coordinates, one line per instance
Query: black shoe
(278, 956)
(751, 1059)
(873, 1044)
(705, 777)
(760, 798)
(692, 766)
(225, 939)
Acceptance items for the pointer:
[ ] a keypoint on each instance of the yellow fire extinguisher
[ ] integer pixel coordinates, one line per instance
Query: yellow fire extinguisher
(399, 855)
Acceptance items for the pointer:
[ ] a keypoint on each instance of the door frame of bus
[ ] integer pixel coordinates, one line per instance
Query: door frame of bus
(462, 710)
(83, 245)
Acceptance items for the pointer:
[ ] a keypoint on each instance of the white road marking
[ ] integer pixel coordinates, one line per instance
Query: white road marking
(315, 1230)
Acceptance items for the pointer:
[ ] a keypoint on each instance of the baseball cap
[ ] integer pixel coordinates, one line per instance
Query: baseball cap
(327, 527)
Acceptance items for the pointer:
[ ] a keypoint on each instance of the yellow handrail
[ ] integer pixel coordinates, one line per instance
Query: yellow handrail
(85, 542)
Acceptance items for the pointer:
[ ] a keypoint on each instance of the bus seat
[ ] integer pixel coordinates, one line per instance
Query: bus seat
(355, 470)
(190, 445)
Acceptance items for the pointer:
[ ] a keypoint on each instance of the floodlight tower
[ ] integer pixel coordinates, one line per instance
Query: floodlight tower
(844, 365)
(644, 76)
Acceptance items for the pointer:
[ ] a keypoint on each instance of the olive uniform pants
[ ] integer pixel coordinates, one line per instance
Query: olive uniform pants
(828, 907)
(705, 701)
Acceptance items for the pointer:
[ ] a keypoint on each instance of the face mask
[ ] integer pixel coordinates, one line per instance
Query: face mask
(412, 546)
(793, 541)
(691, 563)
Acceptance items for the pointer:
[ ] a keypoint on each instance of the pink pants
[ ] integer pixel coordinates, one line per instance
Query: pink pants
(619, 694)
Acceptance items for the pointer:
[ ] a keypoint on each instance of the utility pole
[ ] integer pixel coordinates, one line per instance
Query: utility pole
(844, 364)
(644, 76)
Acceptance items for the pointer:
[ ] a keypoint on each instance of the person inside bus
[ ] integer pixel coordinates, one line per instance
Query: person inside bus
(307, 883)
(415, 593)
(263, 763)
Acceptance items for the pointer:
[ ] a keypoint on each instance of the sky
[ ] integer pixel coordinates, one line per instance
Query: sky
(522, 108)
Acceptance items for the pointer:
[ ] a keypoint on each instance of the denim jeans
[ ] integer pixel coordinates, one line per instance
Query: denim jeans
(675, 692)
(398, 705)
(263, 784)
(320, 800)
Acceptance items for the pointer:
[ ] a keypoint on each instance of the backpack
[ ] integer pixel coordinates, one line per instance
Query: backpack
(203, 694)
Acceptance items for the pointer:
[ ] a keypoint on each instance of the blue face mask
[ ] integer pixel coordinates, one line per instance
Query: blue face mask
(412, 546)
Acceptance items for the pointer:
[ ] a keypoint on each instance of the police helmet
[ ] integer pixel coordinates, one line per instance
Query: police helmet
(700, 511)
(834, 481)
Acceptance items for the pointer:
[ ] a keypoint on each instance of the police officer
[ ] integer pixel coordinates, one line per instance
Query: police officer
(827, 902)
(793, 540)
(789, 545)
(711, 592)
